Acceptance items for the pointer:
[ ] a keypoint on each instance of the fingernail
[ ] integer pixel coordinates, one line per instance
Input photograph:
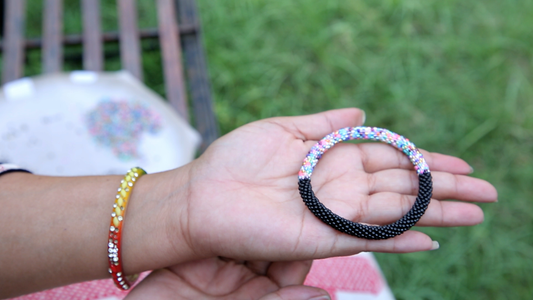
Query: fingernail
(364, 117)
(323, 297)
(471, 169)
(435, 245)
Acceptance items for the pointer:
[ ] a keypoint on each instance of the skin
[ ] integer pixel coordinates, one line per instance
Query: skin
(231, 224)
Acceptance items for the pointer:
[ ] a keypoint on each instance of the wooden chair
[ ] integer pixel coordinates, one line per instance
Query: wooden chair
(177, 36)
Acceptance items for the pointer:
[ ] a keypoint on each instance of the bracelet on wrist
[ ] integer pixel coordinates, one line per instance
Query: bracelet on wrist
(116, 227)
(6, 168)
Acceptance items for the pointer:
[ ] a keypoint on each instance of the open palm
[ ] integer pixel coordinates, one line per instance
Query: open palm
(216, 278)
(243, 201)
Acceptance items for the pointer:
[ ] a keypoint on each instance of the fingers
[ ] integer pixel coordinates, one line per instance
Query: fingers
(160, 284)
(446, 163)
(445, 185)
(298, 292)
(259, 267)
(289, 273)
(410, 241)
(316, 126)
(385, 208)
(391, 195)
(379, 156)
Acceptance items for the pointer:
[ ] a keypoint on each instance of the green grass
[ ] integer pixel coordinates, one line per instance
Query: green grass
(454, 76)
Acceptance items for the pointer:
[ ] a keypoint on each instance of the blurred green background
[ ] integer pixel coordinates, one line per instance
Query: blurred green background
(453, 76)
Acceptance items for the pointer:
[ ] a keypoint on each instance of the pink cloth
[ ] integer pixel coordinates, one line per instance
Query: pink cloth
(91, 290)
(345, 278)
(355, 277)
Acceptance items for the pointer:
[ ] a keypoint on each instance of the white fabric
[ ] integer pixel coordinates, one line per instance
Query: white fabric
(45, 126)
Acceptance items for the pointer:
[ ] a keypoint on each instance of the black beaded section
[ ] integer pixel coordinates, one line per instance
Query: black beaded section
(369, 232)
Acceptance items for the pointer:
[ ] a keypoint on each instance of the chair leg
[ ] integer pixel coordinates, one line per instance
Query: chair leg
(196, 72)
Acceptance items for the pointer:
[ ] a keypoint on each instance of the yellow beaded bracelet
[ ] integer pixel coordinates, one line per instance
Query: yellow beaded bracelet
(115, 229)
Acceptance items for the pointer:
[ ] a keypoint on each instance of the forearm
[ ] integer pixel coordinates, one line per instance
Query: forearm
(54, 230)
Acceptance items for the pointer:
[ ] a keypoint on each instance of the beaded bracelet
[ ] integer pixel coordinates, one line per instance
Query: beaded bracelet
(115, 229)
(356, 229)
(6, 168)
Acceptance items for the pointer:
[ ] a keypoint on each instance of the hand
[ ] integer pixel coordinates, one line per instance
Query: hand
(243, 199)
(243, 203)
(238, 200)
(216, 278)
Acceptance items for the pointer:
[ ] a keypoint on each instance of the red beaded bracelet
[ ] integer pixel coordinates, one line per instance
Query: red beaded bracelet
(115, 229)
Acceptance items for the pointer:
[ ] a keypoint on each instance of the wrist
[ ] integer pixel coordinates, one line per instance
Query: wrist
(155, 233)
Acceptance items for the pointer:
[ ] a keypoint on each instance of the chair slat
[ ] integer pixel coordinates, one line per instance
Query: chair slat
(171, 50)
(110, 36)
(92, 36)
(129, 38)
(13, 56)
(53, 36)
(197, 74)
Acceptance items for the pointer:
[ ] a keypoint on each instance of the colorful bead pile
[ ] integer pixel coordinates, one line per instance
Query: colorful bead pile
(119, 124)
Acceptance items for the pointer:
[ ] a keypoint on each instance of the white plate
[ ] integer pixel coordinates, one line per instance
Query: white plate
(86, 123)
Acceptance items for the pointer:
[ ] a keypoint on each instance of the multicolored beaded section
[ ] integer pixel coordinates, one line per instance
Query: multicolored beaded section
(371, 232)
(115, 229)
(362, 133)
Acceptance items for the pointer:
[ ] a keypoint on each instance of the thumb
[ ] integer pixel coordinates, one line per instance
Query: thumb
(298, 292)
(316, 126)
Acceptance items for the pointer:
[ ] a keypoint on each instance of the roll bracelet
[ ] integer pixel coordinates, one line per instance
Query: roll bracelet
(6, 168)
(372, 232)
(116, 227)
